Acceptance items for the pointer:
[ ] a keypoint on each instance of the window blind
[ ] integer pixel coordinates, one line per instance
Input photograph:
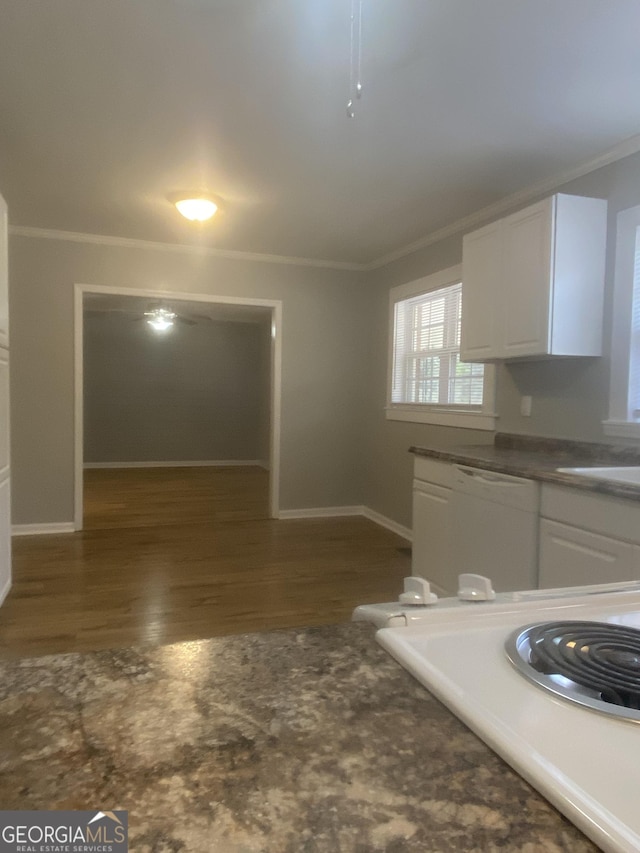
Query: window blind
(426, 352)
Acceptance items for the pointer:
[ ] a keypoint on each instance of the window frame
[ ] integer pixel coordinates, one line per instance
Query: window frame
(450, 414)
(621, 423)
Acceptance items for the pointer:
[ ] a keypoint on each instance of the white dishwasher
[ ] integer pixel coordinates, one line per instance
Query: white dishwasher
(495, 527)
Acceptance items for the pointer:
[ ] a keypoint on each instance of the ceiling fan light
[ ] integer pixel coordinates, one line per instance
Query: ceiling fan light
(160, 325)
(196, 208)
(160, 319)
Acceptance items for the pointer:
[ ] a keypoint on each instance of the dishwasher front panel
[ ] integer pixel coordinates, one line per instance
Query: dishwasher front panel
(495, 528)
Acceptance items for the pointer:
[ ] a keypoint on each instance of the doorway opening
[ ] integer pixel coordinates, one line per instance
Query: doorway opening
(198, 314)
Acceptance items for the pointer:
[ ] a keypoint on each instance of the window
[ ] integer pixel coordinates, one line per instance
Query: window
(624, 404)
(426, 357)
(427, 380)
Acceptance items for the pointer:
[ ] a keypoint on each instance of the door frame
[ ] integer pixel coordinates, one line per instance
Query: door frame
(275, 391)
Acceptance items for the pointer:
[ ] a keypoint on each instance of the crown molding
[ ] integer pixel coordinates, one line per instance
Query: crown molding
(504, 205)
(185, 248)
(466, 223)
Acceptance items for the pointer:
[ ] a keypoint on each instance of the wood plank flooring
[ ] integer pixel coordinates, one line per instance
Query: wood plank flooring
(153, 497)
(187, 553)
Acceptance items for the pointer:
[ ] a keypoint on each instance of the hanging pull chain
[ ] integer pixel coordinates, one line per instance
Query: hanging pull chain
(355, 58)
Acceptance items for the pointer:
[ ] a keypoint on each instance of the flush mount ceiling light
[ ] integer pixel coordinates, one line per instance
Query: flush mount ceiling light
(196, 206)
(160, 319)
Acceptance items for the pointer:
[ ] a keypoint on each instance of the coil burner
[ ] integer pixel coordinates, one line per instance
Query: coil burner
(595, 664)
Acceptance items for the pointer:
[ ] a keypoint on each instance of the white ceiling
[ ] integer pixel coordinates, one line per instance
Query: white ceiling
(108, 105)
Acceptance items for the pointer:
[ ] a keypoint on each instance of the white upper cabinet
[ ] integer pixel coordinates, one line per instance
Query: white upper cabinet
(533, 282)
(4, 276)
(526, 276)
(482, 259)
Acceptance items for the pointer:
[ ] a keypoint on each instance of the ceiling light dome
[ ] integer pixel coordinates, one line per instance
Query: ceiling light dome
(196, 206)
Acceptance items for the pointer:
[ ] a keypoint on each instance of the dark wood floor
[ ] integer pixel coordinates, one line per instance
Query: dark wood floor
(187, 553)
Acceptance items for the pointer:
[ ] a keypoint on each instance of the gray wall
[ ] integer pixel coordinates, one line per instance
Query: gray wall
(570, 396)
(337, 446)
(194, 393)
(389, 467)
(322, 400)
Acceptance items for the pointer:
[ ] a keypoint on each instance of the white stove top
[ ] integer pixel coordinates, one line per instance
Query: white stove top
(585, 763)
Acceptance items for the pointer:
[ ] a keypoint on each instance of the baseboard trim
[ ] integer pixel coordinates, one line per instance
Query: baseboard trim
(389, 523)
(4, 592)
(284, 514)
(335, 511)
(42, 529)
(207, 463)
(320, 512)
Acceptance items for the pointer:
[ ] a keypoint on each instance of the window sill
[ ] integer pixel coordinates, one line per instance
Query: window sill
(442, 417)
(621, 429)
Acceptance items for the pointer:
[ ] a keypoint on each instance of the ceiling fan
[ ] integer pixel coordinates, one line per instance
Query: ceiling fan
(161, 317)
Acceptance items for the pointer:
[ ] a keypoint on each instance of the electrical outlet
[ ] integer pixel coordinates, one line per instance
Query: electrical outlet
(525, 406)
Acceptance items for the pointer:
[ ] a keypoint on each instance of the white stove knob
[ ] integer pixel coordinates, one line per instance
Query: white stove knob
(475, 588)
(417, 592)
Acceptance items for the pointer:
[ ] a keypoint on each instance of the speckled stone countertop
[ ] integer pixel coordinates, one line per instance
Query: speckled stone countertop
(302, 741)
(537, 458)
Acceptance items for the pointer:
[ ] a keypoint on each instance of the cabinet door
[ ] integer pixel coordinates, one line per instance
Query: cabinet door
(481, 299)
(496, 540)
(4, 414)
(570, 556)
(5, 503)
(4, 276)
(5, 539)
(431, 532)
(526, 278)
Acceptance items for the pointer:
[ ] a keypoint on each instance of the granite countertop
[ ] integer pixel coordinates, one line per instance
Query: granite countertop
(302, 741)
(537, 458)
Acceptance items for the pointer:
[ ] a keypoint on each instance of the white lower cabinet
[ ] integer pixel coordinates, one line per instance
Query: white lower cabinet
(431, 541)
(431, 551)
(570, 556)
(579, 538)
(587, 538)
(469, 520)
